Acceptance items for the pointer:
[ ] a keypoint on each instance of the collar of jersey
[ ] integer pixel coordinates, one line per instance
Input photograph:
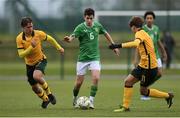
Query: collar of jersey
(150, 28)
(88, 26)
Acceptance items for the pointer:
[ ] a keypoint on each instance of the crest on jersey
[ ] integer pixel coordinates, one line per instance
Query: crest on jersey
(96, 29)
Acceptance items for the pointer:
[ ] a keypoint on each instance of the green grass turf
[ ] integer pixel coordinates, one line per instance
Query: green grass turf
(17, 99)
(54, 68)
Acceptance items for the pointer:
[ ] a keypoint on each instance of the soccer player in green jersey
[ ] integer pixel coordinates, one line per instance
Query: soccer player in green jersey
(89, 55)
(154, 33)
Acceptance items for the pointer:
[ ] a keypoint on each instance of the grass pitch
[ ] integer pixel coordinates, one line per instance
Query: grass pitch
(17, 99)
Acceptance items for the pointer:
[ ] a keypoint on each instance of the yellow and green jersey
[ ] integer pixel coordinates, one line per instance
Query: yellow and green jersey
(24, 42)
(154, 34)
(88, 41)
(146, 50)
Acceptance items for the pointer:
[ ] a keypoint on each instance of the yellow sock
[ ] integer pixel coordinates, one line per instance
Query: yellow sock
(46, 88)
(43, 95)
(158, 94)
(127, 96)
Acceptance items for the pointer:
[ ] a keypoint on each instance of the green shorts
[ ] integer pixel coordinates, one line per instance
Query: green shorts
(145, 76)
(30, 70)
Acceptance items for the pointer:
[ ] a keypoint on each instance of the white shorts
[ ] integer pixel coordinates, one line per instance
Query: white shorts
(159, 63)
(82, 67)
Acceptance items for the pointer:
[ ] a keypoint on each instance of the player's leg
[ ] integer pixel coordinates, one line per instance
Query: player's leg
(38, 90)
(81, 68)
(159, 74)
(154, 92)
(38, 75)
(161, 94)
(95, 68)
(94, 87)
(78, 82)
(128, 91)
(35, 87)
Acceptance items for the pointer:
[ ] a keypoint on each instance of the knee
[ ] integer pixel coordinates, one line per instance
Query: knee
(128, 83)
(159, 74)
(36, 89)
(95, 79)
(79, 82)
(144, 91)
(37, 75)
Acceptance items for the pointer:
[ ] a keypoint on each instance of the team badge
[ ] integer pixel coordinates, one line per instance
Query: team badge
(96, 29)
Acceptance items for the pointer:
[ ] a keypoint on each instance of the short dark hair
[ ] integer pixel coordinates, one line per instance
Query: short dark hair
(149, 13)
(25, 21)
(88, 11)
(136, 21)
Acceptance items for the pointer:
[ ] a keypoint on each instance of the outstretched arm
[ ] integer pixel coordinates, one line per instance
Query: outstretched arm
(54, 43)
(131, 44)
(163, 51)
(110, 40)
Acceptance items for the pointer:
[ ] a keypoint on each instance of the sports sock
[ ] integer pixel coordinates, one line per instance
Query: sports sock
(127, 96)
(91, 98)
(75, 92)
(158, 94)
(42, 95)
(46, 88)
(93, 90)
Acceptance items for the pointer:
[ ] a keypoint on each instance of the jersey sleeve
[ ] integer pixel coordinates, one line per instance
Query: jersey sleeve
(19, 43)
(102, 30)
(42, 36)
(77, 32)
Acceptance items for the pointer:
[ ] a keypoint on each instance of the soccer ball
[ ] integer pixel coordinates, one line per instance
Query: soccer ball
(83, 102)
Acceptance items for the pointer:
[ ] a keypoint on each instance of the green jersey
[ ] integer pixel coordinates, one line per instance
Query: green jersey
(154, 34)
(88, 41)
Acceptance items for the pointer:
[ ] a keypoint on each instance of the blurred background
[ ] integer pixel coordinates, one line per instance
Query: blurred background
(59, 18)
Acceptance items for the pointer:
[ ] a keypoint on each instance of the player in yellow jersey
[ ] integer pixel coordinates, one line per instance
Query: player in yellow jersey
(29, 47)
(146, 71)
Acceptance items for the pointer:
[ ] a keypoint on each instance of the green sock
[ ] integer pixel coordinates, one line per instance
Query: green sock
(93, 90)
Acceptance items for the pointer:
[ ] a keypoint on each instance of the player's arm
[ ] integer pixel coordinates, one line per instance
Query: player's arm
(54, 43)
(163, 51)
(22, 53)
(110, 40)
(136, 58)
(130, 44)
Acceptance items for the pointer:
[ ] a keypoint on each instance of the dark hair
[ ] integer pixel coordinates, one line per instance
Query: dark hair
(88, 11)
(149, 13)
(25, 21)
(136, 21)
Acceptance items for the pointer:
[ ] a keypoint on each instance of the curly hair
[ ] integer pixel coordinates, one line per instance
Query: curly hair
(136, 21)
